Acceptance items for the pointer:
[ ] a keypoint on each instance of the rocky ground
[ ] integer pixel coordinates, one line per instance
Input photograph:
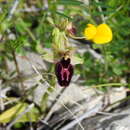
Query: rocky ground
(76, 107)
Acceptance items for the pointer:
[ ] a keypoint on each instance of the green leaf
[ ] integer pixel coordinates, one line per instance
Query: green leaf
(4, 25)
(2, 47)
(16, 44)
(70, 2)
(48, 56)
(117, 69)
(63, 15)
(101, 4)
(21, 25)
(103, 12)
(76, 60)
(11, 113)
(50, 20)
(18, 125)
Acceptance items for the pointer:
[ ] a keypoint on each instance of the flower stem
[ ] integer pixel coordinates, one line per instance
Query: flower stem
(18, 72)
(105, 59)
(110, 84)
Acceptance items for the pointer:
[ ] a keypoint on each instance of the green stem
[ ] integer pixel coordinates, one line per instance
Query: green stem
(110, 84)
(31, 34)
(105, 58)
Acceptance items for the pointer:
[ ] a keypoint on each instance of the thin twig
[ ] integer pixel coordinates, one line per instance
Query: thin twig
(89, 113)
(12, 10)
(54, 104)
(118, 9)
(1, 101)
(66, 115)
(16, 63)
(45, 4)
(100, 10)
(11, 101)
(68, 111)
(1, 98)
(111, 114)
(76, 110)
(32, 9)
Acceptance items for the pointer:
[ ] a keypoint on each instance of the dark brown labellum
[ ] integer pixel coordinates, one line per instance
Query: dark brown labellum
(64, 72)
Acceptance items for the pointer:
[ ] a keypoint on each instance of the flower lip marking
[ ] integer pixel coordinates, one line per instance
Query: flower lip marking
(65, 71)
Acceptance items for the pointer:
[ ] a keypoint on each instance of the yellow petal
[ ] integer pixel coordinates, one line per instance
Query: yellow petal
(90, 32)
(103, 35)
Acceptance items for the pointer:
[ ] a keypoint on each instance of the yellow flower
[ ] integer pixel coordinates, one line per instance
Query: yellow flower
(90, 32)
(101, 34)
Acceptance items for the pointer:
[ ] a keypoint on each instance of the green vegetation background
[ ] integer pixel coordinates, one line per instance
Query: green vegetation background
(33, 31)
